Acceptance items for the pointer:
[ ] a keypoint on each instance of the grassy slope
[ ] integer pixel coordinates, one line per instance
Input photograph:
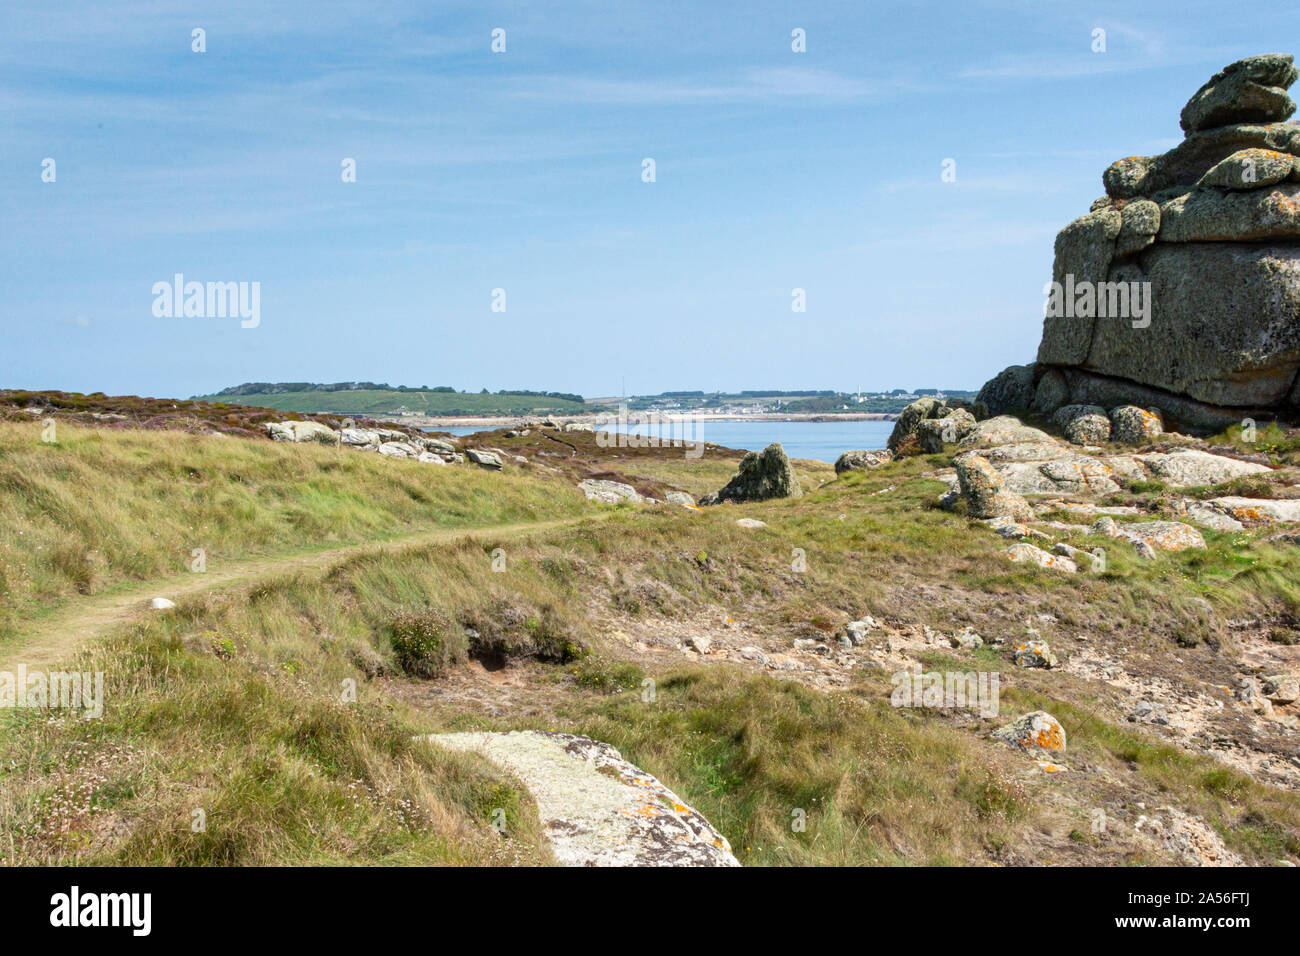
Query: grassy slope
(232, 703)
(99, 508)
(385, 402)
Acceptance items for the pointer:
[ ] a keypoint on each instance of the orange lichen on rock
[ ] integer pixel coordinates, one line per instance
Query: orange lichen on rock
(1038, 730)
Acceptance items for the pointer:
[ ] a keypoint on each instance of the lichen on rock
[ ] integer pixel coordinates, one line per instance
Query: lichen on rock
(1209, 234)
(762, 475)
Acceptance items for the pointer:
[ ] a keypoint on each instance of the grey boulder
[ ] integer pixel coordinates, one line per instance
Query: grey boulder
(934, 433)
(484, 459)
(862, 459)
(762, 475)
(1252, 90)
(1083, 424)
(1251, 168)
(1011, 390)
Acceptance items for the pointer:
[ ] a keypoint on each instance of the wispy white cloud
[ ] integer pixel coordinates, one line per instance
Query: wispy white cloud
(1128, 49)
(749, 86)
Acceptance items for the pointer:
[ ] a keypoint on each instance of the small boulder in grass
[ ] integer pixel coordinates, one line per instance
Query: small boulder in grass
(360, 438)
(484, 459)
(1150, 537)
(302, 432)
(397, 449)
(1034, 654)
(1028, 553)
(760, 476)
(437, 446)
(861, 459)
(611, 492)
(1106, 525)
(1036, 732)
(161, 604)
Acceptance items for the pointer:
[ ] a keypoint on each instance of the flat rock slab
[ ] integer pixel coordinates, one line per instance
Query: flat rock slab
(1189, 467)
(598, 809)
(1152, 536)
(1259, 510)
(1044, 469)
(612, 492)
(1021, 553)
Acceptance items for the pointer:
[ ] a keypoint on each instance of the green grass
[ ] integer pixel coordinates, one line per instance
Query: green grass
(281, 770)
(233, 703)
(1280, 444)
(387, 402)
(98, 509)
(236, 703)
(870, 784)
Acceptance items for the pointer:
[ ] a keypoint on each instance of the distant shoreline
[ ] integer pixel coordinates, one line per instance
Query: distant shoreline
(488, 422)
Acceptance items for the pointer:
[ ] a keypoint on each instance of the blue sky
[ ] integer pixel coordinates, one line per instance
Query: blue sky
(522, 171)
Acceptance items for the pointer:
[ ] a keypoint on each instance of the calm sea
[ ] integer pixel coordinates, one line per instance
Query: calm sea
(821, 441)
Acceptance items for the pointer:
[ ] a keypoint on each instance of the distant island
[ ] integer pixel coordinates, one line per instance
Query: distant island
(442, 402)
(381, 399)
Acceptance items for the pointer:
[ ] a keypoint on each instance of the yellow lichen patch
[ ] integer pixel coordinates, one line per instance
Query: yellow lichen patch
(1049, 738)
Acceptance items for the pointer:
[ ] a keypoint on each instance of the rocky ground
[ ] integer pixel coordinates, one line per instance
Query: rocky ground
(1048, 499)
(1017, 547)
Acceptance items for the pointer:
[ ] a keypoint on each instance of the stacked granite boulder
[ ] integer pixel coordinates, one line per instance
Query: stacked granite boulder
(933, 423)
(1213, 226)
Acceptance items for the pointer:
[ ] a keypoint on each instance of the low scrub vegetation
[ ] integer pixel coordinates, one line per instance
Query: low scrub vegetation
(289, 710)
(98, 509)
(425, 643)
